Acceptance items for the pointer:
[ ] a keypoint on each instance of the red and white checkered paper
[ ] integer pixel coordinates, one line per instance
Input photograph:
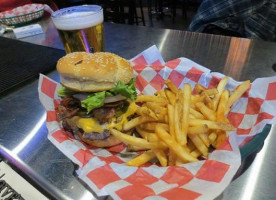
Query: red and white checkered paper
(104, 169)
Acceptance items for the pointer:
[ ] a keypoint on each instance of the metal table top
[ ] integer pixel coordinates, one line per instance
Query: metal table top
(23, 135)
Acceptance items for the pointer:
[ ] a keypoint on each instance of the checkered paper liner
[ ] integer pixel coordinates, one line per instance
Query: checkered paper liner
(104, 170)
(24, 14)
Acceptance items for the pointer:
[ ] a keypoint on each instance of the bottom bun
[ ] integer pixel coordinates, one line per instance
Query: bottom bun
(108, 142)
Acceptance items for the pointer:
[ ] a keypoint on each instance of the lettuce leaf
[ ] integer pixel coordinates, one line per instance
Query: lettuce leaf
(62, 92)
(108, 94)
(127, 90)
(94, 100)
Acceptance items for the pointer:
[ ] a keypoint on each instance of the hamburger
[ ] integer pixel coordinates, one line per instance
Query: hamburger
(96, 90)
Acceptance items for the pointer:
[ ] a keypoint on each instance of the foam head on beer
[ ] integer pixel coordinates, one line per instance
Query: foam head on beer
(80, 28)
(77, 19)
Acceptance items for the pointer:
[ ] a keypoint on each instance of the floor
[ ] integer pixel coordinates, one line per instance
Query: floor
(180, 23)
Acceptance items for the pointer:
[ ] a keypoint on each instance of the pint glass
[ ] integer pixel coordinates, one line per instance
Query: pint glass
(80, 28)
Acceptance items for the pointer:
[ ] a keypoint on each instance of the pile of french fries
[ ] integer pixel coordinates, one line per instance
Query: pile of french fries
(178, 126)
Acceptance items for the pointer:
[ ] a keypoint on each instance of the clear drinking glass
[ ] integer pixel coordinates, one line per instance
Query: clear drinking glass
(80, 28)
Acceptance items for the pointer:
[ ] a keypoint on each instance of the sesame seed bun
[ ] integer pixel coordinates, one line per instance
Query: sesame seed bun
(93, 72)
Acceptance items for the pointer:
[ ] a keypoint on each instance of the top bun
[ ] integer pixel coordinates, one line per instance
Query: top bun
(93, 72)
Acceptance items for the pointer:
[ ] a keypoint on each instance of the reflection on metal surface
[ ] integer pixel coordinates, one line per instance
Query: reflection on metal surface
(237, 57)
(252, 179)
(164, 38)
(200, 48)
(36, 178)
(87, 195)
(27, 139)
(14, 153)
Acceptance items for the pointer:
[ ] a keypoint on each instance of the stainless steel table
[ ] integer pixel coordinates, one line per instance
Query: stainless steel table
(23, 140)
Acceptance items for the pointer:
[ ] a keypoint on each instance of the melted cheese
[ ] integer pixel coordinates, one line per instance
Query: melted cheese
(130, 111)
(89, 125)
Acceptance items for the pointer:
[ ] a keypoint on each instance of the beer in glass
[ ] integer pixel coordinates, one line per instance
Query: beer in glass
(80, 28)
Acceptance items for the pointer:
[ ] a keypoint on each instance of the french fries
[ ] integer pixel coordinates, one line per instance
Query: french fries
(141, 159)
(220, 89)
(179, 150)
(212, 124)
(207, 112)
(146, 112)
(161, 156)
(171, 86)
(187, 91)
(136, 121)
(177, 126)
(150, 126)
(138, 142)
(144, 133)
(221, 111)
(196, 114)
(201, 129)
(147, 98)
(199, 144)
(170, 96)
(238, 93)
